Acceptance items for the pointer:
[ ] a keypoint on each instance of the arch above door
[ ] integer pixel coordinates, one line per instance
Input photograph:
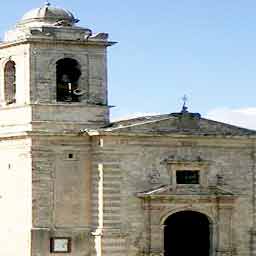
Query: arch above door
(214, 203)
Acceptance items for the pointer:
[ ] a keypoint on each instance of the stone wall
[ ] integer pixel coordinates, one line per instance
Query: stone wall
(92, 61)
(61, 193)
(15, 197)
(20, 55)
(127, 165)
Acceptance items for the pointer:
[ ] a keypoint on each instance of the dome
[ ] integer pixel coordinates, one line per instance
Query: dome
(49, 14)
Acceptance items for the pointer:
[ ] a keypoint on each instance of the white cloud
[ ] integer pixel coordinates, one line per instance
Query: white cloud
(244, 117)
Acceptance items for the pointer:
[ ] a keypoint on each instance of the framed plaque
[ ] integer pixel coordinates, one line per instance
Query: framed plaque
(60, 245)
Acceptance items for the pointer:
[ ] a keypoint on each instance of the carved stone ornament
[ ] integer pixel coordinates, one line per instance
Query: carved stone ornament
(156, 254)
(182, 158)
(154, 176)
(63, 23)
(224, 253)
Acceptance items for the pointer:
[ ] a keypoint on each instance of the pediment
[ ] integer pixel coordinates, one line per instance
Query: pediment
(166, 191)
(177, 123)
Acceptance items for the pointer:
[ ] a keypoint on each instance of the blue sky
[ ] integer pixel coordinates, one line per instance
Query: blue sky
(205, 49)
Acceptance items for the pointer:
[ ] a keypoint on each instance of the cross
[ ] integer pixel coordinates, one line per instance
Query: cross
(184, 107)
(185, 99)
(47, 3)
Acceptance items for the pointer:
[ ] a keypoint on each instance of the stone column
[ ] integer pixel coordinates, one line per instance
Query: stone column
(224, 231)
(156, 231)
(157, 240)
(40, 239)
(253, 242)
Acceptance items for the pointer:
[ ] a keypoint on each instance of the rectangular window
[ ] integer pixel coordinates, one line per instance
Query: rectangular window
(187, 177)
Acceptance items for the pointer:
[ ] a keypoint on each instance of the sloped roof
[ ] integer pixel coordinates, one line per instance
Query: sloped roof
(176, 123)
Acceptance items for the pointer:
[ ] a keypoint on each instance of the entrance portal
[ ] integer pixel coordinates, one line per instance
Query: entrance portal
(187, 233)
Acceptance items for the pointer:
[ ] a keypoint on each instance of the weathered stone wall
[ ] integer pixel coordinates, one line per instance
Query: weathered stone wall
(46, 180)
(91, 59)
(61, 193)
(36, 84)
(15, 119)
(36, 107)
(68, 117)
(60, 183)
(127, 164)
(20, 55)
(15, 197)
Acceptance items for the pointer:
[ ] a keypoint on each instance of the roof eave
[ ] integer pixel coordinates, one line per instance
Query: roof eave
(155, 134)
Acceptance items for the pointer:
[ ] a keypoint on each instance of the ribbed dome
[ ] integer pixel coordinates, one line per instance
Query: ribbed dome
(49, 14)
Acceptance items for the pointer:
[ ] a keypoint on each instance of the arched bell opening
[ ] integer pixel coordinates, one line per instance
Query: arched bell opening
(10, 82)
(187, 233)
(68, 72)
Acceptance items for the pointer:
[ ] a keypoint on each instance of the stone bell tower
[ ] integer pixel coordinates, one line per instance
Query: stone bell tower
(54, 72)
(53, 83)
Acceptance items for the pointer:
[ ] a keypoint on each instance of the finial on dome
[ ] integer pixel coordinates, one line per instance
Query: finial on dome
(47, 3)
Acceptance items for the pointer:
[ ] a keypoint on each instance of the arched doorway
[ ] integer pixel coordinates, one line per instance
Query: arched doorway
(187, 233)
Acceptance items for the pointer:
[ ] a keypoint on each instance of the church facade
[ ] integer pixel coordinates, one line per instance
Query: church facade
(74, 183)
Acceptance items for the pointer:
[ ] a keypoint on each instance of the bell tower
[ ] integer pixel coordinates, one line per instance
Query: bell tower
(53, 72)
(53, 84)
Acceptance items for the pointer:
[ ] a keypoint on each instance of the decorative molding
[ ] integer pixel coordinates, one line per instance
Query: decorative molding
(156, 254)
(224, 252)
(154, 176)
(177, 159)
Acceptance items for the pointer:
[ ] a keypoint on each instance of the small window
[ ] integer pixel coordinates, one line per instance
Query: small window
(187, 177)
(70, 156)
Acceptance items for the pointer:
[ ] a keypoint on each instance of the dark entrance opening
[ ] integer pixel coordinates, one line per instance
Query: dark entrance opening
(187, 233)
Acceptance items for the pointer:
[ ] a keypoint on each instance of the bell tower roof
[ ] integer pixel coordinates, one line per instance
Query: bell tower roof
(48, 14)
(53, 23)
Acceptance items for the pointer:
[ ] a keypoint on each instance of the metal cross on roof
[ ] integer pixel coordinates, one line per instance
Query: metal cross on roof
(47, 3)
(184, 107)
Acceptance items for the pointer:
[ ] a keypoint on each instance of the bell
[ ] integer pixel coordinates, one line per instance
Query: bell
(65, 79)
